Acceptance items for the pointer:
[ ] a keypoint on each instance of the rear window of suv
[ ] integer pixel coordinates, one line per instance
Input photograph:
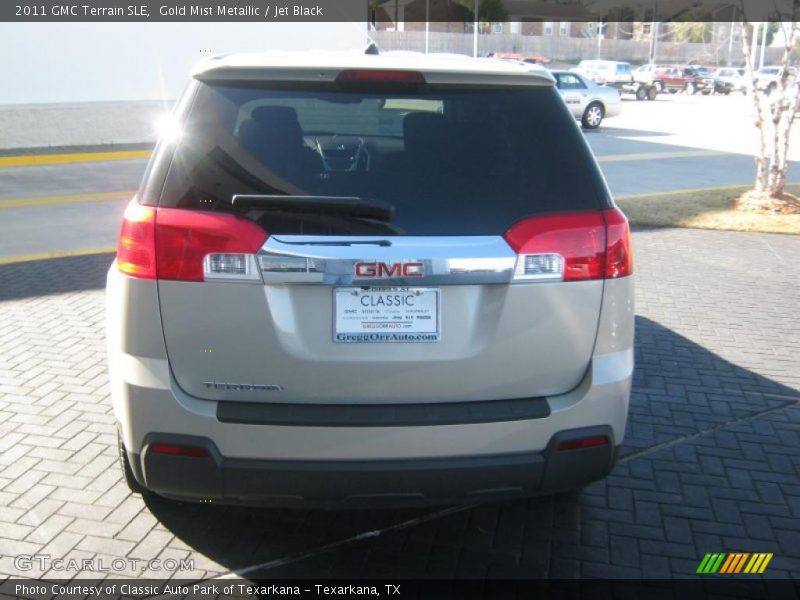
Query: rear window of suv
(446, 160)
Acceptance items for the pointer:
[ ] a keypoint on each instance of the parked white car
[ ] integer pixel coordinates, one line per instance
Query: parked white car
(733, 76)
(587, 101)
(767, 77)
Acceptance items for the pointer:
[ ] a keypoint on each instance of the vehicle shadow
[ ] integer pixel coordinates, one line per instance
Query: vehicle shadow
(54, 276)
(681, 390)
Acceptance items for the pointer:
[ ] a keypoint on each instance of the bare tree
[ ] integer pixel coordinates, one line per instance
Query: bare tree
(776, 106)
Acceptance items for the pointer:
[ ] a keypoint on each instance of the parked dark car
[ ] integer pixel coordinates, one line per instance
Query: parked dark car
(721, 84)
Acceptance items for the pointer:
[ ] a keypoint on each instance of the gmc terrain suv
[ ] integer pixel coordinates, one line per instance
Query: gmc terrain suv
(355, 279)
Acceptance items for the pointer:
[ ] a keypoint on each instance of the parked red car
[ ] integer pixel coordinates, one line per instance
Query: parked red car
(677, 78)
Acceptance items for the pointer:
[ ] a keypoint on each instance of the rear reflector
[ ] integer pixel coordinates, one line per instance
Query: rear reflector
(588, 442)
(179, 450)
(572, 246)
(380, 76)
(184, 245)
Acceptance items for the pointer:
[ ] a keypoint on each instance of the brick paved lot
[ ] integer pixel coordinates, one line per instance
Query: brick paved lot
(710, 462)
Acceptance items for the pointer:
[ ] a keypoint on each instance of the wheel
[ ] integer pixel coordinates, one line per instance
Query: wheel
(641, 93)
(691, 88)
(659, 86)
(593, 116)
(652, 92)
(127, 472)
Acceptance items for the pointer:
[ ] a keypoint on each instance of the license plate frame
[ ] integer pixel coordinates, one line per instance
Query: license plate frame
(375, 322)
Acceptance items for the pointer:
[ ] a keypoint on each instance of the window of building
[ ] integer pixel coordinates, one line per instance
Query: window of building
(563, 28)
(547, 28)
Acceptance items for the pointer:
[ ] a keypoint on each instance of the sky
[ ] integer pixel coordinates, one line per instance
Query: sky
(80, 62)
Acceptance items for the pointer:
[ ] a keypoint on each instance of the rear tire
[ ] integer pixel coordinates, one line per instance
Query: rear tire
(652, 92)
(690, 88)
(593, 116)
(641, 93)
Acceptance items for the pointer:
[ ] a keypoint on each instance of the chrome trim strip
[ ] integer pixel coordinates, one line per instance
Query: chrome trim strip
(331, 260)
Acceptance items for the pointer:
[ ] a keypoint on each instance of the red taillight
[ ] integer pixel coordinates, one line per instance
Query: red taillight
(136, 247)
(170, 243)
(185, 237)
(179, 450)
(380, 76)
(578, 237)
(573, 246)
(619, 254)
(587, 442)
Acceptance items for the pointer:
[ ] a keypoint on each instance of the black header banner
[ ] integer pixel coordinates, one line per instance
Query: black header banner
(364, 11)
(197, 11)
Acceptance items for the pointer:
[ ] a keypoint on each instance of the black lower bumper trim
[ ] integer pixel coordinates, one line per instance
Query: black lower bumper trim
(345, 483)
(382, 415)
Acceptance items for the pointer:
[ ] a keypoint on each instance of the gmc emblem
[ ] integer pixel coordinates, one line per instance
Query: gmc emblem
(382, 269)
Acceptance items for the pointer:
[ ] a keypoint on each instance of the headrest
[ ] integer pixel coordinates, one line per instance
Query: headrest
(423, 128)
(274, 114)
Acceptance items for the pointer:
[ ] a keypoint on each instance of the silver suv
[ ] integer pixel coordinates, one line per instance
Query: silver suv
(368, 279)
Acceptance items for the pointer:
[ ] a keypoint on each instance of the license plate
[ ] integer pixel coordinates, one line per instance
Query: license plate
(386, 315)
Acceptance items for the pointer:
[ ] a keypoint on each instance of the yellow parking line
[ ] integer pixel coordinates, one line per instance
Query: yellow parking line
(658, 155)
(61, 254)
(65, 199)
(75, 157)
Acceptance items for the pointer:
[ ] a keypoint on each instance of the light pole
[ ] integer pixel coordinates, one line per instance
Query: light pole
(600, 39)
(427, 23)
(475, 33)
(754, 45)
(730, 46)
(764, 27)
(654, 27)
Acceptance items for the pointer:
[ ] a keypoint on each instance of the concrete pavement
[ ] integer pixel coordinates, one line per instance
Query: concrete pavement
(709, 463)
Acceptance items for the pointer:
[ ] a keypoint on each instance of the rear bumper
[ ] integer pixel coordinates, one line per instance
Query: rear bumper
(343, 484)
(359, 454)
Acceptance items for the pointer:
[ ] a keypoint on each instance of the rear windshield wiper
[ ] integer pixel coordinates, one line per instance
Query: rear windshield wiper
(351, 206)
